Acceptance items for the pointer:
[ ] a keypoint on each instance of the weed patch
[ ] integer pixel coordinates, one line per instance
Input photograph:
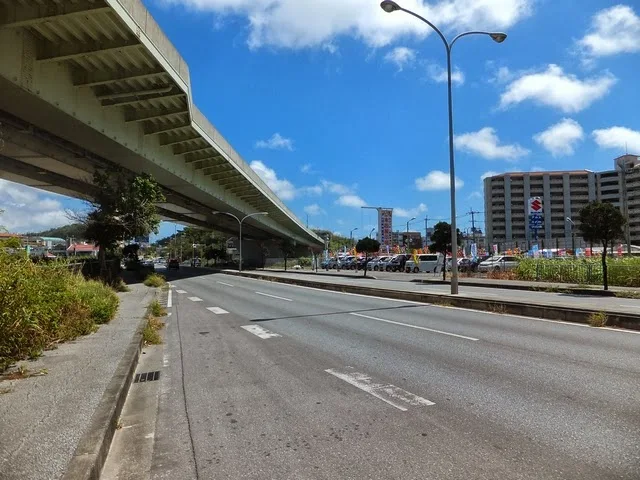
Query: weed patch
(44, 304)
(627, 294)
(154, 280)
(151, 330)
(498, 308)
(121, 287)
(156, 310)
(598, 319)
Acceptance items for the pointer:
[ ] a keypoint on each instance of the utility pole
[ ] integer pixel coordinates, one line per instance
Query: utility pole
(426, 231)
(473, 223)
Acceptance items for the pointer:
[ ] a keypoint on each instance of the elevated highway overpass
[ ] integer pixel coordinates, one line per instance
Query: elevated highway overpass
(88, 83)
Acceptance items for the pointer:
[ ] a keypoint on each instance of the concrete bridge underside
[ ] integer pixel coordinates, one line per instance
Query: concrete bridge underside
(88, 83)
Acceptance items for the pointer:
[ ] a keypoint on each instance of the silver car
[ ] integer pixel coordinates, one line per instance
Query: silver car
(498, 263)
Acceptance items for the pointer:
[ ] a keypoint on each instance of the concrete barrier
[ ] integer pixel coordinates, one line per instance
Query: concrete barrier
(548, 312)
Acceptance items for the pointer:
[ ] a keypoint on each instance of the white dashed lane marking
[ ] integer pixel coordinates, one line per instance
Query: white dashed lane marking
(260, 332)
(195, 299)
(181, 291)
(274, 296)
(415, 326)
(217, 310)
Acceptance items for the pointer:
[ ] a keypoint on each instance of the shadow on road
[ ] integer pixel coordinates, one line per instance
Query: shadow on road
(364, 310)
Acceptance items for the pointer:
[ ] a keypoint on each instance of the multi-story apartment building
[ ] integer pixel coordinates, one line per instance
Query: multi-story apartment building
(563, 194)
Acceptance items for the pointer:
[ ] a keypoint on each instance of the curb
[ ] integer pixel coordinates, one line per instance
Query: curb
(549, 312)
(311, 272)
(530, 288)
(93, 448)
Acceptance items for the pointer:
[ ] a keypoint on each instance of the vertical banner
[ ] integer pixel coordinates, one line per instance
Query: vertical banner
(474, 251)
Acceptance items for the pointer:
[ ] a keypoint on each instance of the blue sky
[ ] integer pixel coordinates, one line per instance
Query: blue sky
(337, 104)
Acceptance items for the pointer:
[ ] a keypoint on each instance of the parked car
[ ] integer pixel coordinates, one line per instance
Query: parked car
(470, 264)
(376, 262)
(398, 262)
(427, 262)
(498, 263)
(173, 263)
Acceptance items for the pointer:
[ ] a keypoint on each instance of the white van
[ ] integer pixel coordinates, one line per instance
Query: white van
(427, 262)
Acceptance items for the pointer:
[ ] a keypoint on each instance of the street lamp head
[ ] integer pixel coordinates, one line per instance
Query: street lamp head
(389, 6)
(412, 219)
(498, 37)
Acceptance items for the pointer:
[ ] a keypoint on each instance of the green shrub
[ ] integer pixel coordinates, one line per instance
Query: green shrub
(154, 280)
(46, 303)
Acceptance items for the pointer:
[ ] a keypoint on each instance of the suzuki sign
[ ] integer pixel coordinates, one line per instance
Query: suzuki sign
(535, 205)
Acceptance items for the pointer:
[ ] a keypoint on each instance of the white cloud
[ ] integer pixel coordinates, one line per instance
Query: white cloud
(475, 195)
(488, 174)
(486, 144)
(311, 190)
(439, 74)
(401, 57)
(351, 201)
(29, 209)
(620, 138)
(436, 180)
(314, 209)
(306, 168)
(411, 212)
(282, 188)
(317, 23)
(501, 75)
(556, 89)
(561, 138)
(537, 169)
(336, 188)
(276, 142)
(613, 30)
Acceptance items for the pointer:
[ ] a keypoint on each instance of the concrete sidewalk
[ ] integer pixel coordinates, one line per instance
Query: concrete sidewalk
(44, 419)
(429, 278)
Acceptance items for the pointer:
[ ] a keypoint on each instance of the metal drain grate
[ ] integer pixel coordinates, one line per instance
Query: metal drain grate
(147, 377)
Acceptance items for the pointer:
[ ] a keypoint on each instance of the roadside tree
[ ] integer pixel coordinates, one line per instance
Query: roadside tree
(441, 242)
(602, 222)
(123, 206)
(367, 246)
(288, 250)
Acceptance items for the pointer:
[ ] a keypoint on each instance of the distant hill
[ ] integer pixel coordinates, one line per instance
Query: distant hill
(75, 230)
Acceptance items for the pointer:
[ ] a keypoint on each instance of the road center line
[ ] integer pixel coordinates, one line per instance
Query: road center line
(195, 299)
(181, 291)
(274, 296)
(258, 331)
(227, 284)
(387, 393)
(217, 310)
(415, 326)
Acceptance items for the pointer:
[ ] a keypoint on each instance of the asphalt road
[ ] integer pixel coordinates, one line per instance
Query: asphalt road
(272, 381)
(625, 305)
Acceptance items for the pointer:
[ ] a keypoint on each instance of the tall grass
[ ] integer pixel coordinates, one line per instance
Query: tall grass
(622, 272)
(44, 304)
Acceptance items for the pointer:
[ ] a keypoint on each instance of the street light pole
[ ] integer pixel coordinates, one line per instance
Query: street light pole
(573, 236)
(371, 232)
(391, 6)
(409, 223)
(240, 222)
(351, 237)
